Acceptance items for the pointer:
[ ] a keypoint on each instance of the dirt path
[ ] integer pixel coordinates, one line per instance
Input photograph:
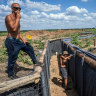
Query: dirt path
(56, 88)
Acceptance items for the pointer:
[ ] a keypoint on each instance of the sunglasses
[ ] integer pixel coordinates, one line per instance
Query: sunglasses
(17, 8)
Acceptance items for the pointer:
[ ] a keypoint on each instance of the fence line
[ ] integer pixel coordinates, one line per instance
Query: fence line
(82, 70)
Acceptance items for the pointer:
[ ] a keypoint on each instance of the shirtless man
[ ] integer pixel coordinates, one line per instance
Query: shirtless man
(12, 42)
(63, 63)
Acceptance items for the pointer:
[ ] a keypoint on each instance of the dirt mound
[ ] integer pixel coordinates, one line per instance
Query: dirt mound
(45, 32)
(37, 34)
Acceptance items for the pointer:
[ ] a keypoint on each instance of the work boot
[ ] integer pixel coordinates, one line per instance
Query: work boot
(13, 77)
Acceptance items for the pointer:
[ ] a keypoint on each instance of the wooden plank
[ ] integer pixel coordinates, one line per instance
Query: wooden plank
(52, 40)
(12, 84)
(41, 59)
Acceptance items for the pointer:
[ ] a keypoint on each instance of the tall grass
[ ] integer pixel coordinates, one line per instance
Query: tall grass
(75, 39)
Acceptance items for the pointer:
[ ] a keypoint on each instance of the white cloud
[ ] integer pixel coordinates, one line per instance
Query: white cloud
(84, 0)
(88, 18)
(92, 14)
(35, 12)
(57, 16)
(44, 14)
(73, 10)
(42, 6)
(85, 15)
(41, 15)
(24, 15)
(9, 2)
(4, 8)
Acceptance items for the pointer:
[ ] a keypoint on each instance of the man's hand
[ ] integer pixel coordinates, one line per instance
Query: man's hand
(25, 42)
(18, 16)
(71, 55)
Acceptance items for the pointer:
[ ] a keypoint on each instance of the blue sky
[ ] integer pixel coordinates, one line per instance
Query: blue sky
(52, 14)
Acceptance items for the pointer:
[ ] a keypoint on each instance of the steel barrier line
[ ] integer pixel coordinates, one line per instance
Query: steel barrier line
(74, 69)
(77, 48)
(43, 84)
(82, 86)
(48, 61)
(46, 65)
(88, 54)
(83, 78)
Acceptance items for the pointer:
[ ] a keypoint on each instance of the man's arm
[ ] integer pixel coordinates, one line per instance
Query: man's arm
(61, 60)
(69, 57)
(23, 39)
(20, 36)
(10, 24)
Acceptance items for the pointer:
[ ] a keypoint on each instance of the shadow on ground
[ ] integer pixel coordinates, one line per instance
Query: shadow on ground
(57, 81)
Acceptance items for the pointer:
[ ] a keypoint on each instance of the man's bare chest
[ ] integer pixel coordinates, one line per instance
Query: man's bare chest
(13, 19)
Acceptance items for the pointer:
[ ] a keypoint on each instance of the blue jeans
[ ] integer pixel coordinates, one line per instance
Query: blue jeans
(64, 72)
(13, 46)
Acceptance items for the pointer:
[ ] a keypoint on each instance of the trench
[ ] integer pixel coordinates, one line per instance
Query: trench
(56, 88)
(81, 69)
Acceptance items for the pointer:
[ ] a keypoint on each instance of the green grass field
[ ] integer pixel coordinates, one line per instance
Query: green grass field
(39, 45)
(4, 33)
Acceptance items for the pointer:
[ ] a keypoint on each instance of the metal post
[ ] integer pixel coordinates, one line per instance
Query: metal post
(74, 70)
(43, 84)
(47, 74)
(82, 81)
(94, 43)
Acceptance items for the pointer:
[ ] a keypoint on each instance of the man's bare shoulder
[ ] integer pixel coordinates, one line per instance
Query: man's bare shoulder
(7, 17)
(62, 56)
